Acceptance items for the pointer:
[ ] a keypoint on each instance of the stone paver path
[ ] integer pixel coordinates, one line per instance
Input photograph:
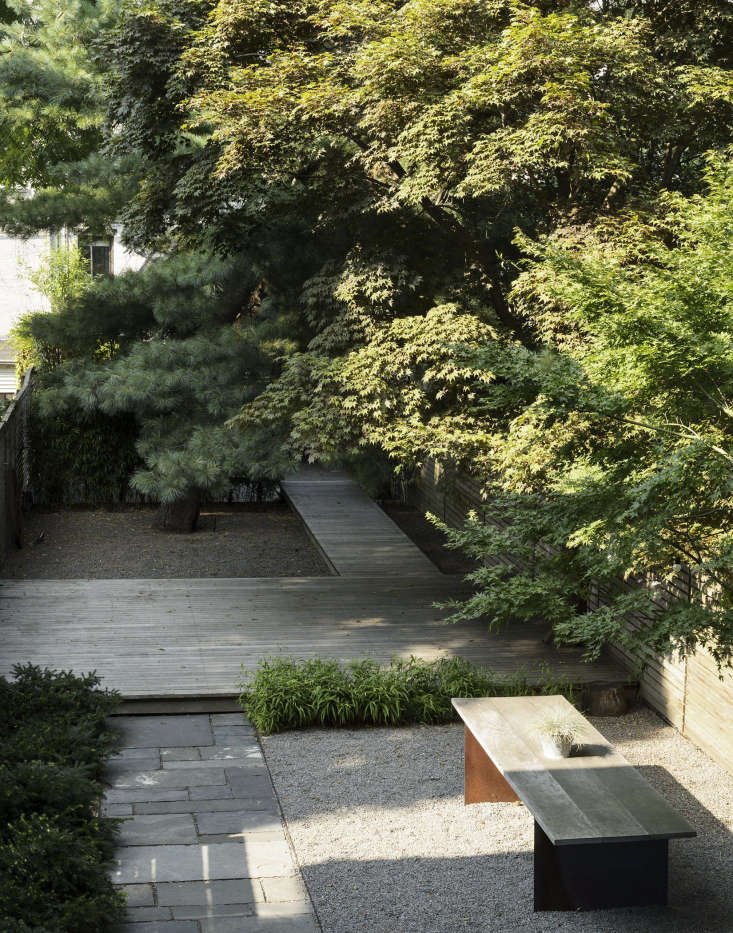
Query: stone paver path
(203, 848)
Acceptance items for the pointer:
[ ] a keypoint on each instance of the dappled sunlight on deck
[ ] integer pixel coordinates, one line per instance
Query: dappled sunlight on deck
(191, 637)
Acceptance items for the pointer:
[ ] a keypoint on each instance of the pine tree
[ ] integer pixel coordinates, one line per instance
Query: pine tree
(55, 167)
(176, 345)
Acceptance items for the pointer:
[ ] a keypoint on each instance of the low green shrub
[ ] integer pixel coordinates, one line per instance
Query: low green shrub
(55, 851)
(39, 693)
(55, 716)
(45, 787)
(285, 693)
(55, 875)
(87, 457)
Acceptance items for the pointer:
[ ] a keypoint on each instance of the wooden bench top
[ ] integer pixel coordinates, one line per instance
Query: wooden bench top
(594, 796)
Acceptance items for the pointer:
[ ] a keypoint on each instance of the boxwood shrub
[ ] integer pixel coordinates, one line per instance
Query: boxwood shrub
(55, 850)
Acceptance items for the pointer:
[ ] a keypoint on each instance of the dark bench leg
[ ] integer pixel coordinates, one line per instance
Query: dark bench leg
(598, 875)
(483, 782)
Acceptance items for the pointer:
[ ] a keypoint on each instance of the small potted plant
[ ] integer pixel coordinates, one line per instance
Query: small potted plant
(558, 734)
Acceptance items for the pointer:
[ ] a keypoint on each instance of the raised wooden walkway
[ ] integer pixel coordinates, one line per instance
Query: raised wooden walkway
(188, 638)
(356, 537)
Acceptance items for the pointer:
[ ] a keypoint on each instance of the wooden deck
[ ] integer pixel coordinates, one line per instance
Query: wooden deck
(188, 638)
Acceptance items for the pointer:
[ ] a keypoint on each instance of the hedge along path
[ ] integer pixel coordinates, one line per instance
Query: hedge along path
(187, 638)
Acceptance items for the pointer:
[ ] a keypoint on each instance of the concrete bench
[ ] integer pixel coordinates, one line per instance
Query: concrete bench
(600, 833)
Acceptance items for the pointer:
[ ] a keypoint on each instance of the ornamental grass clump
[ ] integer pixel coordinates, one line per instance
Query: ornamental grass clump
(285, 693)
(559, 733)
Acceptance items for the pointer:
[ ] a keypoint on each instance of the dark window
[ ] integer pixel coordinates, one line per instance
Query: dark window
(98, 252)
(101, 259)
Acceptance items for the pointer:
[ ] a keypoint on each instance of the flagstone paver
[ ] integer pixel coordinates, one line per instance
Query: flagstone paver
(195, 893)
(247, 859)
(212, 858)
(163, 926)
(156, 828)
(199, 805)
(134, 794)
(140, 732)
(125, 779)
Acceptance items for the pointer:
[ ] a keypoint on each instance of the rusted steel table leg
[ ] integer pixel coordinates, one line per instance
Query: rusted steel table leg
(483, 782)
(599, 875)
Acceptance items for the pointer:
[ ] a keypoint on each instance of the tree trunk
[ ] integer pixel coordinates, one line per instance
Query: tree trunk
(181, 515)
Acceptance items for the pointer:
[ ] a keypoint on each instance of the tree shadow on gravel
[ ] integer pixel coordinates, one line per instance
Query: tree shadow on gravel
(494, 894)
(409, 784)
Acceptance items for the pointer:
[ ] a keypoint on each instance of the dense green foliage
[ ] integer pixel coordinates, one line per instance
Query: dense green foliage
(169, 353)
(475, 222)
(619, 463)
(54, 851)
(284, 693)
(62, 277)
(82, 459)
(79, 456)
(53, 170)
(447, 125)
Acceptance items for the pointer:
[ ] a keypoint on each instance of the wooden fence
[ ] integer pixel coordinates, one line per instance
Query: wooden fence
(16, 468)
(688, 693)
(75, 494)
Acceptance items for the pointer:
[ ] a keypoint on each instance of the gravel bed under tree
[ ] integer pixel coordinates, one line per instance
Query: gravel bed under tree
(232, 541)
(386, 845)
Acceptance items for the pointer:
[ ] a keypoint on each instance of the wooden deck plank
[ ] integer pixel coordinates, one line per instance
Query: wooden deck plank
(355, 535)
(146, 639)
(188, 637)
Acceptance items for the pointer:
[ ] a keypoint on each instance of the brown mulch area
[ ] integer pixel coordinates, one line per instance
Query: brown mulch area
(429, 539)
(232, 541)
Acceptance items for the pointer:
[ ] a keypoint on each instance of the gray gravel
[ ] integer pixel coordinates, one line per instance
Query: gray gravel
(231, 541)
(386, 844)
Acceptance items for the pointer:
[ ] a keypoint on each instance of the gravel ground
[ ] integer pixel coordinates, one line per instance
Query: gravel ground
(387, 846)
(429, 539)
(232, 541)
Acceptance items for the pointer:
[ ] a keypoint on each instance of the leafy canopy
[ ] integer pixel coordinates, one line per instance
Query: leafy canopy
(374, 162)
(55, 168)
(619, 464)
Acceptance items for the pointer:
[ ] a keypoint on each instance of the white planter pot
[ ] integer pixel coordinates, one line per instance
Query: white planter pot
(555, 747)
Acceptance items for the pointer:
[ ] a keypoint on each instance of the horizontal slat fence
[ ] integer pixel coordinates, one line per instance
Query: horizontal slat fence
(708, 711)
(687, 693)
(663, 680)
